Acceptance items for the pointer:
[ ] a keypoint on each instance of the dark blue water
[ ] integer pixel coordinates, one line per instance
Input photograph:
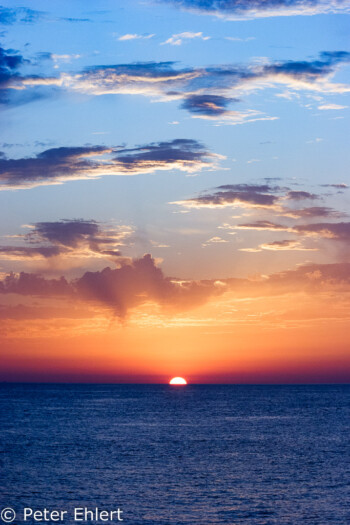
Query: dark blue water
(164, 455)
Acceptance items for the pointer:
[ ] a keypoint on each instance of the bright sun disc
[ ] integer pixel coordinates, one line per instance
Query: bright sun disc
(177, 381)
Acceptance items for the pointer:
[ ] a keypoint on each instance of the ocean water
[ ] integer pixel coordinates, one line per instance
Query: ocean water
(254, 455)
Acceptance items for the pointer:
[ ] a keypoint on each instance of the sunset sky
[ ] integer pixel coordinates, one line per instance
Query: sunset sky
(175, 191)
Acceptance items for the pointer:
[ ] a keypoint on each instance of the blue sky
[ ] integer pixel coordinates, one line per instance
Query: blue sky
(277, 128)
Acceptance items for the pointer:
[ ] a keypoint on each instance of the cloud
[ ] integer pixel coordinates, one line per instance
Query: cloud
(208, 105)
(68, 238)
(214, 240)
(301, 195)
(34, 285)
(311, 212)
(339, 231)
(331, 106)
(241, 10)
(11, 15)
(339, 186)
(180, 38)
(25, 252)
(205, 92)
(285, 245)
(140, 282)
(137, 282)
(58, 165)
(263, 225)
(241, 195)
(134, 36)
(10, 61)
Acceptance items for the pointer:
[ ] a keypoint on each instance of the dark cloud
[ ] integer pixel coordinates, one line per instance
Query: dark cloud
(65, 232)
(36, 285)
(236, 9)
(301, 195)
(10, 61)
(257, 188)
(339, 231)
(211, 105)
(10, 78)
(65, 238)
(153, 155)
(58, 165)
(309, 69)
(205, 92)
(249, 195)
(313, 211)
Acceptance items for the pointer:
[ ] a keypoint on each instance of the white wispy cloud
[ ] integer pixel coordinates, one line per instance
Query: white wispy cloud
(135, 36)
(331, 106)
(179, 38)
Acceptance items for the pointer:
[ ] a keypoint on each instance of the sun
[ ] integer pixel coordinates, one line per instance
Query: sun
(177, 381)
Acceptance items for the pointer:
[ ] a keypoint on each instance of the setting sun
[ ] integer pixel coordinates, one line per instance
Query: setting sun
(177, 381)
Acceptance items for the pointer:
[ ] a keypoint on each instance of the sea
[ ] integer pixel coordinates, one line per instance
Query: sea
(200, 454)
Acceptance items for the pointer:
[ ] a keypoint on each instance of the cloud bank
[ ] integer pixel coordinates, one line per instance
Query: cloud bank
(243, 10)
(206, 92)
(141, 282)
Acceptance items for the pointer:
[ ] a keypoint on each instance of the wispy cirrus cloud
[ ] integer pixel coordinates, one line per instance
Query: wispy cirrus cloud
(325, 107)
(243, 10)
(59, 165)
(179, 38)
(13, 15)
(134, 36)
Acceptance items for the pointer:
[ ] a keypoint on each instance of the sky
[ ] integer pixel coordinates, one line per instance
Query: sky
(175, 191)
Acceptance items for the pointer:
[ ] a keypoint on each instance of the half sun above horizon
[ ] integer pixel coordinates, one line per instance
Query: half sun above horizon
(178, 381)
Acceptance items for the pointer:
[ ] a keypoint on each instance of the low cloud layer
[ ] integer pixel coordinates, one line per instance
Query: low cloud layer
(238, 9)
(141, 282)
(58, 165)
(137, 282)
